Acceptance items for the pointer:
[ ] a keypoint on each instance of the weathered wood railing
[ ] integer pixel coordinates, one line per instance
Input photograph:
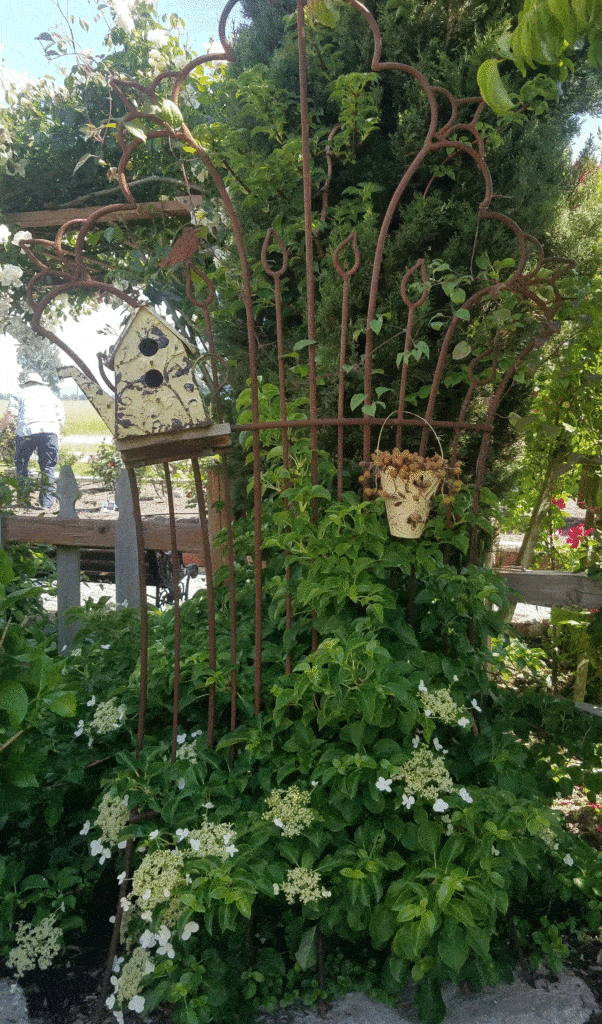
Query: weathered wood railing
(72, 535)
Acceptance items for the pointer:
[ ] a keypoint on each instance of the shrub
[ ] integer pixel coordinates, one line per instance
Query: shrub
(388, 811)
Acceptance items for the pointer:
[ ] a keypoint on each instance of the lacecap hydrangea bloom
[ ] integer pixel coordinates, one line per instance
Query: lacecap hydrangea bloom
(36, 946)
(212, 840)
(157, 877)
(289, 810)
(303, 884)
(440, 704)
(425, 775)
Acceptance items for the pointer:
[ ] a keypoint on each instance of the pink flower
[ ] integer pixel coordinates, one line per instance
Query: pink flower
(559, 502)
(576, 534)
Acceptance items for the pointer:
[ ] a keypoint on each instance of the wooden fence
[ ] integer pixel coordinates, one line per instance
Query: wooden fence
(71, 535)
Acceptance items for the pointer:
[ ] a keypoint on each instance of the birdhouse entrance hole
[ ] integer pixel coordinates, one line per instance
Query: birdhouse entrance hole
(153, 378)
(148, 346)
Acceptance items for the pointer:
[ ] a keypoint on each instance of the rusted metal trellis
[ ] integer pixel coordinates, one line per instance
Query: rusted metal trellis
(171, 435)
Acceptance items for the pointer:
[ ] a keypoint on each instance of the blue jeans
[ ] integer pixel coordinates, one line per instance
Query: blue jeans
(47, 448)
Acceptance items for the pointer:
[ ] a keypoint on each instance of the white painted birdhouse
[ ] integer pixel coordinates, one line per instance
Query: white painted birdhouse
(159, 410)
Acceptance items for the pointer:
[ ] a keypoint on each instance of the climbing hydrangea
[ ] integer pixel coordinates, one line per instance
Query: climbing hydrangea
(289, 810)
(440, 704)
(302, 884)
(212, 840)
(156, 878)
(127, 986)
(113, 815)
(425, 775)
(108, 716)
(36, 946)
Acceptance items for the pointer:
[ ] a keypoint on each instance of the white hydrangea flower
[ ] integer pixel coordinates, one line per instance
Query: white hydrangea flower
(465, 795)
(568, 860)
(422, 687)
(416, 742)
(148, 939)
(440, 806)
(4, 234)
(464, 722)
(136, 1004)
(10, 275)
(189, 928)
(408, 801)
(475, 705)
(85, 828)
(437, 745)
(383, 784)
(182, 833)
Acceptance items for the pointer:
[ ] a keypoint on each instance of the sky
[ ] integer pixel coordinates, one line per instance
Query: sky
(22, 20)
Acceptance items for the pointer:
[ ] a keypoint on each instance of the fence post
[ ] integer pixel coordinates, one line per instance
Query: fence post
(127, 589)
(216, 515)
(67, 563)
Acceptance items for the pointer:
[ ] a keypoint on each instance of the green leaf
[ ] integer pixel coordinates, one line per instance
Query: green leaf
(13, 700)
(452, 947)
(382, 924)
(322, 12)
(7, 573)
(462, 314)
(356, 400)
(369, 410)
(492, 88)
(377, 325)
(136, 130)
(65, 704)
(429, 1001)
(306, 955)
(461, 350)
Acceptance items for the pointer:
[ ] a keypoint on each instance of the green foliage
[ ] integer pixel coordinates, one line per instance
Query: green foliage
(106, 464)
(389, 796)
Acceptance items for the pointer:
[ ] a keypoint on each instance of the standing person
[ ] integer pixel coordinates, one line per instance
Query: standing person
(40, 416)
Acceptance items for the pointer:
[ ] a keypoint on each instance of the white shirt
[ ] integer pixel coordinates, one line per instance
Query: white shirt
(37, 409)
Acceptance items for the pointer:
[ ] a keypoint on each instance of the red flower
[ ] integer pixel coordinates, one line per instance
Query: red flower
(576, 534)
(559, 502)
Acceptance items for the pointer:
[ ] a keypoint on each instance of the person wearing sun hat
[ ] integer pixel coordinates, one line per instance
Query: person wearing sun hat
(40, 416)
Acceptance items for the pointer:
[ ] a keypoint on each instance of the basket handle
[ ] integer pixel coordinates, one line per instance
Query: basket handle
(415, 414)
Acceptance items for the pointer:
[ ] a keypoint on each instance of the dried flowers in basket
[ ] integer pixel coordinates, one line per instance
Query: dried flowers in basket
(408, 481)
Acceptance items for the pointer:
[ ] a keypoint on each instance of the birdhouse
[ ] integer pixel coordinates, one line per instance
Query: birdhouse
(159, 410)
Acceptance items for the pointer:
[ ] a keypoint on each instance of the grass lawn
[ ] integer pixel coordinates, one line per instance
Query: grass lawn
(82, 418)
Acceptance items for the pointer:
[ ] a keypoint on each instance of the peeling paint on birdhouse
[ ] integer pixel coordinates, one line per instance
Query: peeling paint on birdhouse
(155, 390)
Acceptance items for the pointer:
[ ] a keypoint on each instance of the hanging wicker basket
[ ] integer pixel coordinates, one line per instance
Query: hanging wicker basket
(408, 501)
(408, 482)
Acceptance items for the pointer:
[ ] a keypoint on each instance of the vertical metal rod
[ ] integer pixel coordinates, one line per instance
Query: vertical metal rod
(276, 276)
(176, 611)
(309, 236)
(200, 498)
(143, 607)
(232, 590)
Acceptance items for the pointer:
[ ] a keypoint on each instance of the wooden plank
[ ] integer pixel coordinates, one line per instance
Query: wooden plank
(97, 533)
(554, 589)
(144, 211)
